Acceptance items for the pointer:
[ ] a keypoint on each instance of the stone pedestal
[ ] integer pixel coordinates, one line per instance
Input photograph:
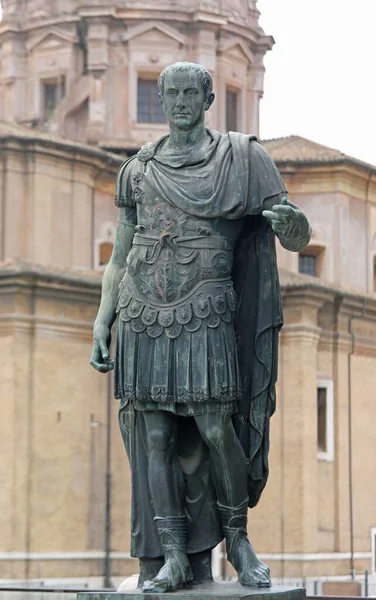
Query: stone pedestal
(213, 591)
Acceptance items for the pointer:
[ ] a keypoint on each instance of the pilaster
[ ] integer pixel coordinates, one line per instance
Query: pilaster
(98, 59)
(255, 91)
(298, 389)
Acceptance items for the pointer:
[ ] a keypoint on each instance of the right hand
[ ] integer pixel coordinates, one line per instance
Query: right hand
(100, 357)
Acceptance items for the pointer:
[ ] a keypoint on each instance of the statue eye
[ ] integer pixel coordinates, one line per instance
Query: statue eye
(192, 92)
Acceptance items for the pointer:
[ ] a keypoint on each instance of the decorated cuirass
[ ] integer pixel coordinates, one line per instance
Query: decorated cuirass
(178, 271)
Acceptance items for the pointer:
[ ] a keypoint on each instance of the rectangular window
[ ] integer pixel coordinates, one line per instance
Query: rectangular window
(149, 108)
(62, 87)
(53, 93)
(321, 419)
(231, 110)
(325, 420)
(374, 273)
(308, 264)
(50, 98)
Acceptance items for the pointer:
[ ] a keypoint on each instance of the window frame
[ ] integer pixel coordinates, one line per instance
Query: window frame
(318, 252)
(60, 81)
(328, 455)
(148, 78)
(232, 90)
(303, 255)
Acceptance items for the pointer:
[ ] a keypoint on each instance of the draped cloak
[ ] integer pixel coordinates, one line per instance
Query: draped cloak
(230, 180)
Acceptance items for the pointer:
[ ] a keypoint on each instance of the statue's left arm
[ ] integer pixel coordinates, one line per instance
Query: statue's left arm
(288, 222)
(266, 194)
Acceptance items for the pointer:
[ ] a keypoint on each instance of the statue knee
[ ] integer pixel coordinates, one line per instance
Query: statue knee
(159, 439)
(213, 435)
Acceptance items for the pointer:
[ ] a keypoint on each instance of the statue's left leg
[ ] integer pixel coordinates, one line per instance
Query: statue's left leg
(229, 474)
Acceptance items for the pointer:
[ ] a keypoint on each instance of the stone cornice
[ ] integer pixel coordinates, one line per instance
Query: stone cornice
(60, 149)
(18, 323)
(55, 32)
(330, 340)
(21, 274)
(309, 295)
(316, 291)
(137, 30)
(36, 24)
(251, 32)
(45, 301)
(338, 173)
(342, 341)
(303, 333)
(227, 45)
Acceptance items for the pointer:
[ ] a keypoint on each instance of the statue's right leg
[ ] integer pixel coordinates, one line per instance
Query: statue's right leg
(167, 491)
(164, 474)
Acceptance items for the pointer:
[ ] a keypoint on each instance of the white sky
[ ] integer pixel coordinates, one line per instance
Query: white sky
(320, 79)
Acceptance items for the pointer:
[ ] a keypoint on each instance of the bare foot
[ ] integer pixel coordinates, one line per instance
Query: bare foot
(175, 573)
(251, 571)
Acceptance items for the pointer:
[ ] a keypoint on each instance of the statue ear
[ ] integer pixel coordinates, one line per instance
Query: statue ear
(209, 101)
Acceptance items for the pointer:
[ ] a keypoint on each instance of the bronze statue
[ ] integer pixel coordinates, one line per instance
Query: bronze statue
(194, 286)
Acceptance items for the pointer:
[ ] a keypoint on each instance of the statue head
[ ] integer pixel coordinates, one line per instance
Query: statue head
(186, 92)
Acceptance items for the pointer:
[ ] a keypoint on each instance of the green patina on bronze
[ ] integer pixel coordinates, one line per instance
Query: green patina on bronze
(194, 286)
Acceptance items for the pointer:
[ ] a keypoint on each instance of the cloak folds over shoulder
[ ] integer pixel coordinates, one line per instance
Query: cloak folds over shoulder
(231, 180)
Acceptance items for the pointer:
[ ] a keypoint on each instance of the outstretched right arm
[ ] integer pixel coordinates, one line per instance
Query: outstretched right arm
(100, 358)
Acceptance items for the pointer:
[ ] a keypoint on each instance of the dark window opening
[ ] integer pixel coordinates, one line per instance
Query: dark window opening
(82, 30)
(50, 98)
(308, 264)
(62, 88)
(149, 108)
(374, 273)
(322, 417)
(53, 93)
(231, 110)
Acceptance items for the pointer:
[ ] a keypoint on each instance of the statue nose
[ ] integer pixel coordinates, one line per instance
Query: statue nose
(180, 100)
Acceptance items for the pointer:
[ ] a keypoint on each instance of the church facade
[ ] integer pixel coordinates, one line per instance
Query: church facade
(78, 93)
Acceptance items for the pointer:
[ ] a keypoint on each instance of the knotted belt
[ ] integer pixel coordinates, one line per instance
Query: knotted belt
(175, 242)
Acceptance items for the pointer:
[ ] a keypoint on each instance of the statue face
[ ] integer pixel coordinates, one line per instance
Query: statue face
(184, 100)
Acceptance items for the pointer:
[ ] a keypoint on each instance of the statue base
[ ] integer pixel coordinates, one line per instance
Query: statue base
(210, 591)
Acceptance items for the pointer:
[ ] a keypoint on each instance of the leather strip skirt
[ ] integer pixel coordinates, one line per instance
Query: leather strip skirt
(191, 374)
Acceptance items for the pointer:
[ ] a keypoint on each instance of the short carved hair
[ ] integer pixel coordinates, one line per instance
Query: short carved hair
(203, 75)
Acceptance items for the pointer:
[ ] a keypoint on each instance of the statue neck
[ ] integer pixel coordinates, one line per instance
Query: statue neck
(184, 140)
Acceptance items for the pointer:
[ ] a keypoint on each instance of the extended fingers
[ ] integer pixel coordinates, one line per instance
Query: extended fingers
(284, 209)
(276, 216)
